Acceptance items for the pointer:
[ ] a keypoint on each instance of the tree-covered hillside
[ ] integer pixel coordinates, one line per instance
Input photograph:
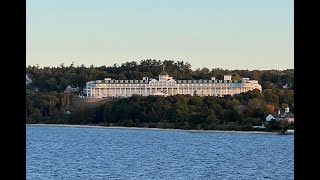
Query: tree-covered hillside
(238, 112)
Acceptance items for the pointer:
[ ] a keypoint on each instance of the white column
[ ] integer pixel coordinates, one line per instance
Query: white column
(145, 90)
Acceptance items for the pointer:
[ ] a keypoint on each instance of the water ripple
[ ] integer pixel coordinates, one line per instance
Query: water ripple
(100, 153)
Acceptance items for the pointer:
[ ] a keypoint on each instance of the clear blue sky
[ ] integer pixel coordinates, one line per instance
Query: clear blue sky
(228, 34)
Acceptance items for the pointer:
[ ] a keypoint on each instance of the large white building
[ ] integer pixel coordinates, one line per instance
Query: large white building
(167, 86)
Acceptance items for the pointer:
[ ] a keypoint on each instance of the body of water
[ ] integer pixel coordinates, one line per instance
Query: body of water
(103, 153)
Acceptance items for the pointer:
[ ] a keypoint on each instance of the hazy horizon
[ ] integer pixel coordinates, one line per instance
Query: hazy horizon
(193, 68)
(227, 34)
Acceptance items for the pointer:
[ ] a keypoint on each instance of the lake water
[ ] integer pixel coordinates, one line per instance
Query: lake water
(102, 153)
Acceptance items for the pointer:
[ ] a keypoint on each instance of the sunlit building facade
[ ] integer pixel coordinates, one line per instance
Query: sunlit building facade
(167, 86)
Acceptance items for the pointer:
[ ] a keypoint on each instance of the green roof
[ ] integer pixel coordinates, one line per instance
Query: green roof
(163, 73)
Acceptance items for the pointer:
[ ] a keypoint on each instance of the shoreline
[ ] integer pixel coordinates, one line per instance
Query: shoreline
(156, 129)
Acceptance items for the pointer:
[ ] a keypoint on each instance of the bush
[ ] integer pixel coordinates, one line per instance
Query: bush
(152, 125)
(128, 123)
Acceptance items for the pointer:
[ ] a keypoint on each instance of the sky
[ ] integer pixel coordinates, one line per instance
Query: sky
(227, 34)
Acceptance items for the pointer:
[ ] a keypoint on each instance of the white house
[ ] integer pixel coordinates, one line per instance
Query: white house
(287, 86)
(270, 117)
(286, 115)
(70, 89)
(28, 80)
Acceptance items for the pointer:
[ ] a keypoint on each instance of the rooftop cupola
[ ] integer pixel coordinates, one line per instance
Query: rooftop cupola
(163, 75)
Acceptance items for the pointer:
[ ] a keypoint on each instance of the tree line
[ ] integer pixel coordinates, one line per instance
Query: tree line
(238, 112)
(48, 79)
